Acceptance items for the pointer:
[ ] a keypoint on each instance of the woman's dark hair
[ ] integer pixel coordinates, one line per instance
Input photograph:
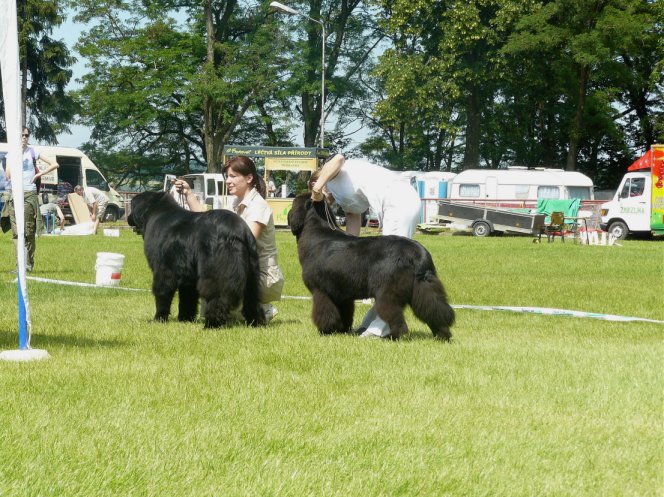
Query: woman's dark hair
(245, 166)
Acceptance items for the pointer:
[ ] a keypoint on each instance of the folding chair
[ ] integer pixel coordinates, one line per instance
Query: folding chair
(555, 225)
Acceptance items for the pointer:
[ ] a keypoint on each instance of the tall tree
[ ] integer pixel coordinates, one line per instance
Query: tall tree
(580, 36)
(451, 48)
(352, 37)
(172, 81)
(44, 62)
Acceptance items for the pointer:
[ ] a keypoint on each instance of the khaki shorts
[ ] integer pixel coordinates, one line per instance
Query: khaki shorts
(272, 284)
(101, 210)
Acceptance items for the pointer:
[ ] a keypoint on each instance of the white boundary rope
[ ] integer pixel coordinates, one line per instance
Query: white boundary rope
(546, 311)
(78, 283)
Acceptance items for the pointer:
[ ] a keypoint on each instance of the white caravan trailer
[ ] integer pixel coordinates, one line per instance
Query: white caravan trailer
(521, 184)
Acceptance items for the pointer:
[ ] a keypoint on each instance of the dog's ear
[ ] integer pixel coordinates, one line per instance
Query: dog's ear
(319, 208)
(298, 213)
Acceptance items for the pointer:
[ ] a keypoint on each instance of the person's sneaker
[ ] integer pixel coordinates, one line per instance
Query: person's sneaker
(270, 312)
(369, 336)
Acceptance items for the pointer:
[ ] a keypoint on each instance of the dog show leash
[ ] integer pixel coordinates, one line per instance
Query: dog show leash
(329, 217)
(181, 199)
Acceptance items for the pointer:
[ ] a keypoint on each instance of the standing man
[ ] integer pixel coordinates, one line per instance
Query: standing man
(271, 188)
(96, 200)
(31, 175)
(357, 185)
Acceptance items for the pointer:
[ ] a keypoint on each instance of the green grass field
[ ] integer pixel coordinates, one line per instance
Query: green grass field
(516, 405)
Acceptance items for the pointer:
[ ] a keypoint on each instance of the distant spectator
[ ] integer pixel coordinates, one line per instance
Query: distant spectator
(271, 188)
(31, 176)
(49, 212)
(96, 200)
(3, 181)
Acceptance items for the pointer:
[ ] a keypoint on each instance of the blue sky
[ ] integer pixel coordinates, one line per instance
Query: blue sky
(69, 32)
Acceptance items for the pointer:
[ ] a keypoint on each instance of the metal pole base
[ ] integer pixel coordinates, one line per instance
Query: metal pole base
(24, 355)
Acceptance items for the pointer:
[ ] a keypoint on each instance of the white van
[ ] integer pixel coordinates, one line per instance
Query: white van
(209, 188)
(520, 183)
(76, 168)
(638, 205)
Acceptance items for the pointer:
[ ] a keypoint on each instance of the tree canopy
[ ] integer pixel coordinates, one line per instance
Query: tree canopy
(47, 108)
(432, 85)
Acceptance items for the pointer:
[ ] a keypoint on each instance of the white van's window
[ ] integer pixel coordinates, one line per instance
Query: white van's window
(580, 192)
(633, 187)
(548, 192)
(95, 179)
(469, 190)
(210, 187)
(220, 187)
(521, 191)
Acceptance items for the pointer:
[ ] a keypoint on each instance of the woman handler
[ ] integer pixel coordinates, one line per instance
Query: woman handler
(244, 182)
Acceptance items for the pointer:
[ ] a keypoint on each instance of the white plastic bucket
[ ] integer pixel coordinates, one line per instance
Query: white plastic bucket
(109, 268)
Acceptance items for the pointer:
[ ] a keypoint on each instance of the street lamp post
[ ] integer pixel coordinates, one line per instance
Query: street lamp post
(288, 10)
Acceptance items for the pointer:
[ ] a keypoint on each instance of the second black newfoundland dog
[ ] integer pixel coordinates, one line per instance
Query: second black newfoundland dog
(338, 268)
(211, 255)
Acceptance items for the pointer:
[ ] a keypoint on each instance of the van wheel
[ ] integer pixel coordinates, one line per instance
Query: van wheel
(619, 230)
(111, 215)
(481, 229)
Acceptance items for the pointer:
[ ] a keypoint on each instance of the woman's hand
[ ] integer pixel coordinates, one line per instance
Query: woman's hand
(181, 186)
(316, 195)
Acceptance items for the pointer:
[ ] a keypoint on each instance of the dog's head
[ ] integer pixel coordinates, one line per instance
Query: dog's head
(140, 208)
(298, 212)
(306, 210)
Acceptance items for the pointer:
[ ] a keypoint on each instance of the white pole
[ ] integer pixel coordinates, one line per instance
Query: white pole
(11, 91)
(322, 93)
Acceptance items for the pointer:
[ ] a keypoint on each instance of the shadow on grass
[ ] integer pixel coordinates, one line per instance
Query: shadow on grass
(9, 341)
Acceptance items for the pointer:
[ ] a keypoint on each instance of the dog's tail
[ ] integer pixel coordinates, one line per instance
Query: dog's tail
(430, 304)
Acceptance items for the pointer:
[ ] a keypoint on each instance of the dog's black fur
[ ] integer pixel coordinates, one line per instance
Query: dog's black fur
(338, 268)
(208, 254)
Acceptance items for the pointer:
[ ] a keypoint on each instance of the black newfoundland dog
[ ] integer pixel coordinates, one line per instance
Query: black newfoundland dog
(338, 268)
(211, 255)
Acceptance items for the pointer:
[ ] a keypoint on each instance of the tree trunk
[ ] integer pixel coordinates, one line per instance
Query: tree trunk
(311, 102)
(471, 156)
(576, 130)
(269, 128)
(547, 144)
(310, 119)
(638, 98)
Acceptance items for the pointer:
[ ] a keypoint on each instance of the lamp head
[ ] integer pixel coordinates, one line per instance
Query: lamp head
(283, 8)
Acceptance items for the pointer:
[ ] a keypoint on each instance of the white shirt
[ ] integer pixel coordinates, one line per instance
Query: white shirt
(255, 209)
(92, 195)
(359, 184)
(29, 168)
